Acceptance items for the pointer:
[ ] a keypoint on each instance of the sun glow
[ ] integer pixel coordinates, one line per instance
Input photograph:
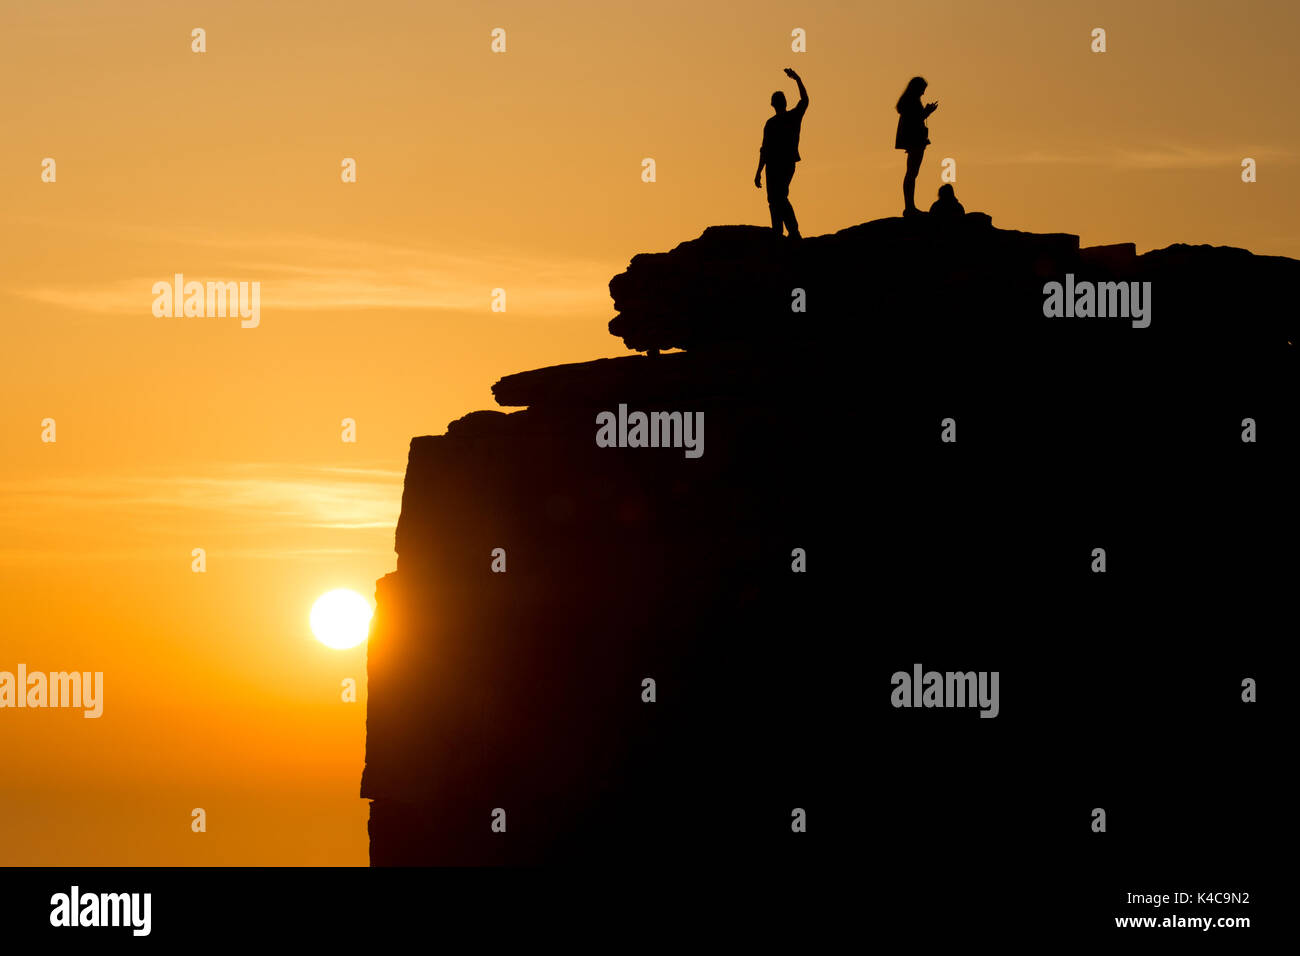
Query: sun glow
(341, 619)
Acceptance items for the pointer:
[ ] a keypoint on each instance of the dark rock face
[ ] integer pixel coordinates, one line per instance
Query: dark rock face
(523, 690)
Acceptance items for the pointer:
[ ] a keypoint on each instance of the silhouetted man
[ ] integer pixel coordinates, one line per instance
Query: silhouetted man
(779, 153)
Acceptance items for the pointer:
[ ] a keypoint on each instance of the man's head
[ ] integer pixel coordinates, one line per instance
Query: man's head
(778, 101)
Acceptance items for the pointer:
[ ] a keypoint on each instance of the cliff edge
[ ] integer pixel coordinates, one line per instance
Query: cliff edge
(554, 559)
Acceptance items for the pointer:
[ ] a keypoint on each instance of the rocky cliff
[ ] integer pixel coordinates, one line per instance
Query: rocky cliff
(820, 372)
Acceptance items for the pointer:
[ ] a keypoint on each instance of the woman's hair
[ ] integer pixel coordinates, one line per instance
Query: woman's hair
(915, 87)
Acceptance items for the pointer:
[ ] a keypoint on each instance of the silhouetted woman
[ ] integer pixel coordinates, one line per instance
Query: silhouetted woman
(913, 137)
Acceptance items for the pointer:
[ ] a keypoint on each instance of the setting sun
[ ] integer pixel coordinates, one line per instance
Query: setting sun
(340, 619)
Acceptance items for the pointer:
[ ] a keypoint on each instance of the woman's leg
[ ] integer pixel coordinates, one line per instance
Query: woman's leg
(909, 179)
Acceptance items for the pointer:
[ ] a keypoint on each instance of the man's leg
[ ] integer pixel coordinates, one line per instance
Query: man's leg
(775, 211)
(778, 192)
(792, 224)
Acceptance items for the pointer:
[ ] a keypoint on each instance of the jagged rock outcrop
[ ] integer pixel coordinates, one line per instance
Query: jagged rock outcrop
(523, 690)
(924, 280)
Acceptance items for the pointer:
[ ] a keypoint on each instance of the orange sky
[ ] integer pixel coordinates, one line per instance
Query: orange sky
(475, 171)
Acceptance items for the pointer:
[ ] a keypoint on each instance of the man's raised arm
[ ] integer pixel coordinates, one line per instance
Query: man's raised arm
(803, 92)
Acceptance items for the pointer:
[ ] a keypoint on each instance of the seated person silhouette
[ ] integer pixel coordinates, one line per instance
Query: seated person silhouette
(779, 153)
(947, 206)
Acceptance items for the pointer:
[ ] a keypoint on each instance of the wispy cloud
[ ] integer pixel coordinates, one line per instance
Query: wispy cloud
(284, 495)
(313, 273)
(255, 501)
(1164, 156)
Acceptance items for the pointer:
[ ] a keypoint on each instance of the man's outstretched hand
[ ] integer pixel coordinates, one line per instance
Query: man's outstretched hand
(791, 73)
